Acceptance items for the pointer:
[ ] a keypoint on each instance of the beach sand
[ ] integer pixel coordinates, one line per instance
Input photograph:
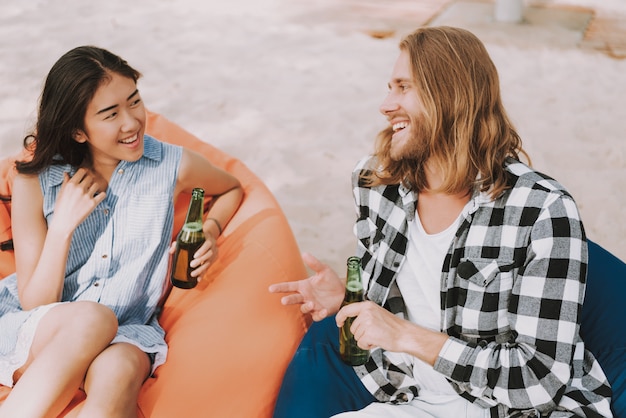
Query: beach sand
(292, 88)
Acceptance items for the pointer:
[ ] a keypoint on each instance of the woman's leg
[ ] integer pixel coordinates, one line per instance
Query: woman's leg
(113, 382)
(67, 339)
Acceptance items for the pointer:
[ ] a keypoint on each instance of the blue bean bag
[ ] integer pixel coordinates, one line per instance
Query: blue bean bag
(603, 311)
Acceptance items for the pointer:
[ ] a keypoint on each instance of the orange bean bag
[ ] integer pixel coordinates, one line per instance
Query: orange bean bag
(230, 340)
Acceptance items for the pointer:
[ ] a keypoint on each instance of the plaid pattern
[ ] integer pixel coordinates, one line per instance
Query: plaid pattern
(512, 287)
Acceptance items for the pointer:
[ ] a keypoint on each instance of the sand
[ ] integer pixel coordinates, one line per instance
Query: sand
(292, 88)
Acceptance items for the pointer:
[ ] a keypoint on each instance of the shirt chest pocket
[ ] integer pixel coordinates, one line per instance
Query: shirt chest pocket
(484, 272)
(146, 216)
(487, 286)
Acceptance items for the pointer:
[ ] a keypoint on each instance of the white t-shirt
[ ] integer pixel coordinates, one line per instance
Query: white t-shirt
(419, 280)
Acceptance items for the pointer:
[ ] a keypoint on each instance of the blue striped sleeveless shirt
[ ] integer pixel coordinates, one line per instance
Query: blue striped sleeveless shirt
(118, 255)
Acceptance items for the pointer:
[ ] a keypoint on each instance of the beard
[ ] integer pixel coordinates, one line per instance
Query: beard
(415, 146)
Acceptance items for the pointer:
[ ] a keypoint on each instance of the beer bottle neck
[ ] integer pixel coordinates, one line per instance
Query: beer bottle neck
(196, 206)
(354, 285)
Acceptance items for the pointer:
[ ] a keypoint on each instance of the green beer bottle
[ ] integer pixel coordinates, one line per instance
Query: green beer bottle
(348, 348)
(189, 239)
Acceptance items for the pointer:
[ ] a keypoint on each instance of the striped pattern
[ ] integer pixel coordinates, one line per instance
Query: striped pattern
(512, 287)
(118, 255)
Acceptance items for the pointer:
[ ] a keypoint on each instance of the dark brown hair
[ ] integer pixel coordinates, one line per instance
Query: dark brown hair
(69, 88)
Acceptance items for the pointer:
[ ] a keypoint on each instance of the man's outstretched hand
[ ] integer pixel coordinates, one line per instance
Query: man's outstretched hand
(319, 295)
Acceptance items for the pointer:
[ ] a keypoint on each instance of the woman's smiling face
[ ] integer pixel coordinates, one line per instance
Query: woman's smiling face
(114, 122)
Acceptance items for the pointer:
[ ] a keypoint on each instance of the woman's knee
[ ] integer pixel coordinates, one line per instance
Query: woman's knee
(123, 363)
(85, 322)
(130, 360)
(92, 319)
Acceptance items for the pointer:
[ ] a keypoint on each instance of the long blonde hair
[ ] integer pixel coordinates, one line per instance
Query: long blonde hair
(469, 134)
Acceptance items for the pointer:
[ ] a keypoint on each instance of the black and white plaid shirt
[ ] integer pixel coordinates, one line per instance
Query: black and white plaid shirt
(512, 287)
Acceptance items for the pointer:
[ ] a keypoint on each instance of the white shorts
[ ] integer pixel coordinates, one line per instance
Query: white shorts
(16, 359)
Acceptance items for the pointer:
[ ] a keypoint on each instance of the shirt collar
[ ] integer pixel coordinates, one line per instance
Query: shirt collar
(409, 201)
(152, 150)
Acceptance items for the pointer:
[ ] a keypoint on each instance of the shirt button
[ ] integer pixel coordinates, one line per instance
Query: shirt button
(105, 255)
(120, 171)
(106, 211)
(96, 284)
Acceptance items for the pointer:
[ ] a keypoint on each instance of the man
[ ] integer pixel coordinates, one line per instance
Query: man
(474, 264)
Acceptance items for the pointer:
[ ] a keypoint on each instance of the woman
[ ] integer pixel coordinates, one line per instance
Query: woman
(92, 218)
